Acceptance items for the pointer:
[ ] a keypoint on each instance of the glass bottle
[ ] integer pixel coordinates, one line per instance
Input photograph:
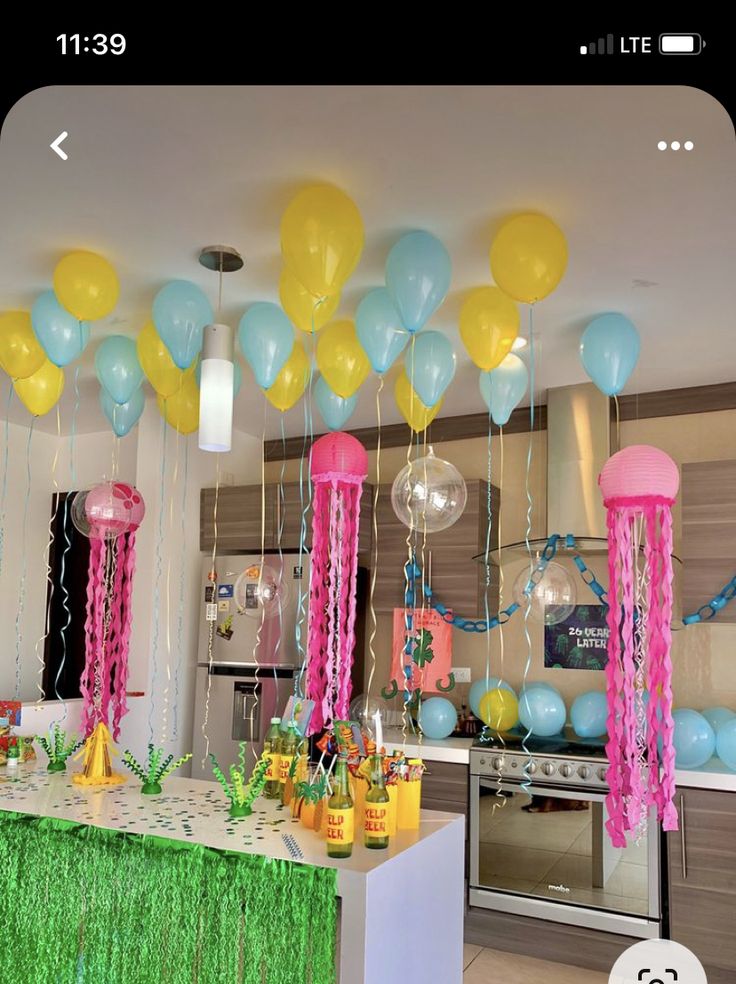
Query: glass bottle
(289, 744)
(375, 824)
(13, 753)
(272, 748)
(340, 814)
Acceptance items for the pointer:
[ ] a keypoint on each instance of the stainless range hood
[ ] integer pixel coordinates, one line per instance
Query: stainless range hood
(578, 445)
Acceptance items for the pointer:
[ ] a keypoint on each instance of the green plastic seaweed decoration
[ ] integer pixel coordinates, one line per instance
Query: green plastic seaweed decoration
(312, 792)
(242, 795)
(155, 770)
(59, 748)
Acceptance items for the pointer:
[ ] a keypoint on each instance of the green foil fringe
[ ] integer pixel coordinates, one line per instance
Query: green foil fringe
(82, 905)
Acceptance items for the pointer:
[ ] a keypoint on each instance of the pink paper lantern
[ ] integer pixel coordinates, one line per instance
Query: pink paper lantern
(639, 485)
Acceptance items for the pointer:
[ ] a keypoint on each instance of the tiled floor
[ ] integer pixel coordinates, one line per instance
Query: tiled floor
(493, 967)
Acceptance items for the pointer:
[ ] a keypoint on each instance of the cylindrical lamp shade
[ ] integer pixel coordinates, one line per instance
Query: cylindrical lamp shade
(216, 389)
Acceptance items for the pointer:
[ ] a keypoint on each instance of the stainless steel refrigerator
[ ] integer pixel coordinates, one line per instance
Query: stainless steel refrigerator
(248, 653)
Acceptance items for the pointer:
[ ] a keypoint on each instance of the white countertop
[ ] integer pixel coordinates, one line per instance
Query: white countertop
(713, 775)
(193, 810)
(430, 749)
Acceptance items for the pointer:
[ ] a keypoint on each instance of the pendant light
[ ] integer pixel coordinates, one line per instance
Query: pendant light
(216, 384)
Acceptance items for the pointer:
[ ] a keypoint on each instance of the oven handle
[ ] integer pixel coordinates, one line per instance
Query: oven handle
(555, 791)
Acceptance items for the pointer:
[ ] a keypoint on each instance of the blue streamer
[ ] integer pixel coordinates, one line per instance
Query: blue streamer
(24, 566)
(308, 437)
(157, 590)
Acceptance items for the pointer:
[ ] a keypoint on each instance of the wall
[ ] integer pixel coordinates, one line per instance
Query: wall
(703, 656)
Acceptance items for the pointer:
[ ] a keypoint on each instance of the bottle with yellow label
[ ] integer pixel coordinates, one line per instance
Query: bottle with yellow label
(340, 814)
(272, 748)
(289, 743)
(376, 818)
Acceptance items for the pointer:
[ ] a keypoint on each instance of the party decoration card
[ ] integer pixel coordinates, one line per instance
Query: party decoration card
(579, 642)
(431, 650)
(299, 711)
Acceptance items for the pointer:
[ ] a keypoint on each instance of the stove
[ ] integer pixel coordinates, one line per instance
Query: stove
(538, 841)
(560, 761)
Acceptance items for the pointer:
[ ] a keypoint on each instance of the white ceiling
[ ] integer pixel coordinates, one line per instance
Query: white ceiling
(155, 173)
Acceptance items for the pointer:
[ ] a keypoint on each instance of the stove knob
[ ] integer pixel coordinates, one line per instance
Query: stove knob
(566, 770)
(584, 771)
(531, 768)
(602, 774)
(548, 768)
(497, 764)
(482, 761)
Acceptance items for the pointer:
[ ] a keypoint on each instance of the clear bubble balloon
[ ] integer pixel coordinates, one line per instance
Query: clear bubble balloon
(102, 512)
(363, 709)
(429, 494)
(552, 599)
(261, 592)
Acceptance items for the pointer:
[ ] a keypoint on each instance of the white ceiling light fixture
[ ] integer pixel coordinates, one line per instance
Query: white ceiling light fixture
(216, 384)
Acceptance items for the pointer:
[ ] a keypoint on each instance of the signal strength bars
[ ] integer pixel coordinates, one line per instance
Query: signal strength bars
(603, 46)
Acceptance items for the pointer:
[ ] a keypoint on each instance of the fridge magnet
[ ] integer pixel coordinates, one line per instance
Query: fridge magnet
(225, 628)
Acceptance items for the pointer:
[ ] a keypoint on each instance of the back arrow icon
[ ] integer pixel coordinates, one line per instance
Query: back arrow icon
(55, 146)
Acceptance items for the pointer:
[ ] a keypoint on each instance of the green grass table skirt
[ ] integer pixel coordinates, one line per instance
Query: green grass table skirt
(82, 905)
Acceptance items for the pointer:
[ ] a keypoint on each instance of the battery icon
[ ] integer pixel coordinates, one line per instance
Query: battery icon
(680, 44)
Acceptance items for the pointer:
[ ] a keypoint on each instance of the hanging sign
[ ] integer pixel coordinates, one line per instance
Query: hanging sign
(579, 642)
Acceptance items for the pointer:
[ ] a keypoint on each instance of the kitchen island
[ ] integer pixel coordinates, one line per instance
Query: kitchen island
(400, 911)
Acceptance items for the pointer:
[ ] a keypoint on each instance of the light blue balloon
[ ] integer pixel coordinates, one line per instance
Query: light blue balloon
(180, 312)
(335, 410)
(609, 351)
(237, 375)
(379, 329)
(693, 738)
(437, 717)
(60, 334)
(481, 687)
(589, 713)
(542, 711)
(122, 416)
(430, 365)
(118, 368)
(418, 274)
(539, 685)
(503, 387)
(726, 743)
(266, 340)
(716, 716)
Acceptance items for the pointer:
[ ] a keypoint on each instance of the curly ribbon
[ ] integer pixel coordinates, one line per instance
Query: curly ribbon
(259, 589)
(157, 579)
(302, 595)
(211, 626)
(46, 554)
(167, 665)
(374, 546)
(526, 783)
(180, 606)
(4, 489)
(24, 565)
(409, 599)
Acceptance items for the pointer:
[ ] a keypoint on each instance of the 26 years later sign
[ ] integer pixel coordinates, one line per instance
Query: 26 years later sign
(578, 643)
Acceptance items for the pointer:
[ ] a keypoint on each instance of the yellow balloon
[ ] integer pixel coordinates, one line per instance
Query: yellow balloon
(41, 391)
(414, 412)
(160, 369)
(86, 285)
(489, 323)
(321, 238)
(308, 313)
(341, 358)
(528, 257)
(291, 381)
(499, 709)
(20, 352)
(181, 410)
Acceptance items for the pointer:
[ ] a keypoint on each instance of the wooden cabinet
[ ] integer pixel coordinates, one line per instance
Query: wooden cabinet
(708, 533)
(702, 879)
(239, 518)
(458, 581)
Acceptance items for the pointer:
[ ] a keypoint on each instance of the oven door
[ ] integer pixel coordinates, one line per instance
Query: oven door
(550, 856)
